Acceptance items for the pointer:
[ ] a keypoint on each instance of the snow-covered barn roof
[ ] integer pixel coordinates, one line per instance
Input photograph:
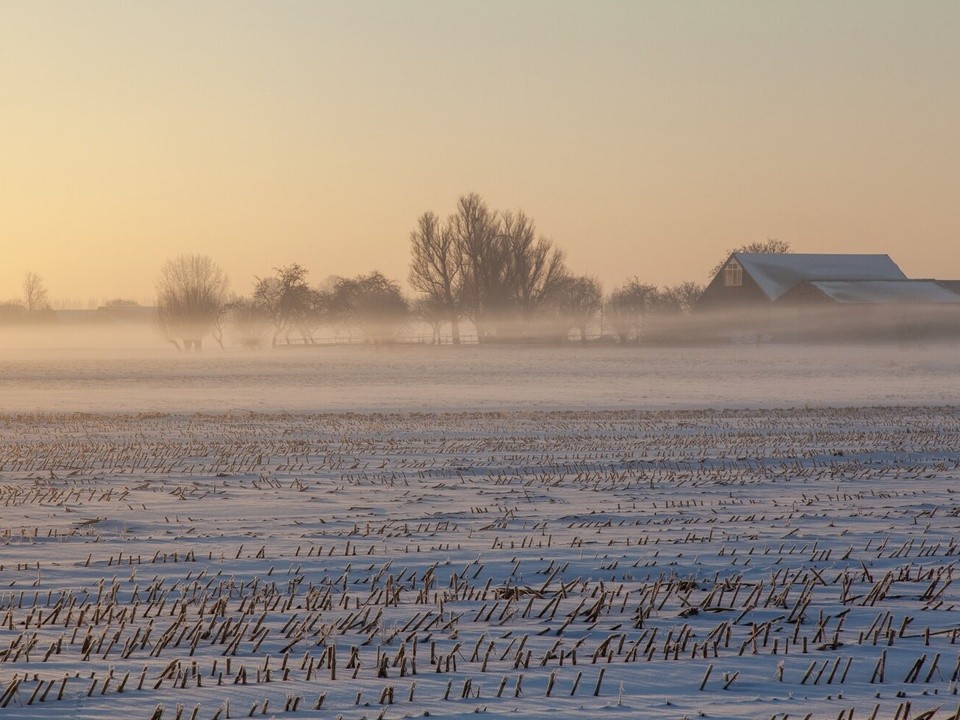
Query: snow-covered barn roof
(953, 285)
(886, 291)
(776, 273)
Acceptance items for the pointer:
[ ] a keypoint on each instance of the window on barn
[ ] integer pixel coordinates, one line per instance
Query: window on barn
(733, 274)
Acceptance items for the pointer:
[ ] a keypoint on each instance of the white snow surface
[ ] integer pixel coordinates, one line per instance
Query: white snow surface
(619, 564)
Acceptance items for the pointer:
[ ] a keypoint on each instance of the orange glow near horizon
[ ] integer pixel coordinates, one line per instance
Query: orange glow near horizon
(644, 138)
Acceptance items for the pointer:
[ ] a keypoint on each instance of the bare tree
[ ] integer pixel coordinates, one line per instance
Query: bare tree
(34, 293)
(484, 258)
(685, 295)
(191, 299)
(507, 271)
(289, 302)
(535, 268)
(770, 245)
(372, 303)
(576, 301)
(627, 308)
(487, 266)
(437, 271)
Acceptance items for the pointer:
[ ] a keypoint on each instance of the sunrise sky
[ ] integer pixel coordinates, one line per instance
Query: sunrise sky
(645, 138)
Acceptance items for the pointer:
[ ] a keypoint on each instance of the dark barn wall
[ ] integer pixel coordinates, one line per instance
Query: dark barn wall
(719, 297)
(903, 323)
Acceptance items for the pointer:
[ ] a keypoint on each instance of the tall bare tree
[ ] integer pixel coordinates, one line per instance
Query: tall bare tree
(484, 258)
(191, 299)
(535, 267)
(34, 293)
(436, 270)
(487, 266)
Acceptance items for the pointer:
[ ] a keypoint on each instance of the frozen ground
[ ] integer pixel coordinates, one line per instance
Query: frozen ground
(617, 564)
(411, 378)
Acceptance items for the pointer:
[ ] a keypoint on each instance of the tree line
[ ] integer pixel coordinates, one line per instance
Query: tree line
(487, 269)
(484, 269)
(34, 307)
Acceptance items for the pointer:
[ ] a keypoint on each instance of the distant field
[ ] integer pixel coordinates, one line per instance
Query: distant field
(77, 378)
(622, 564)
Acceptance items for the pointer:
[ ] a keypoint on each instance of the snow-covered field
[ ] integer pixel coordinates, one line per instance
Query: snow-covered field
(618, 563)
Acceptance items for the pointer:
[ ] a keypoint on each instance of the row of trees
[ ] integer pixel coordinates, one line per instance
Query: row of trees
(34, 306)
(193, 300)
(488, 268)
(481, 266)
(285, 303)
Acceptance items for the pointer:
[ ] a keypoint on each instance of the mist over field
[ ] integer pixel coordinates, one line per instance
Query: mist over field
(105, 370)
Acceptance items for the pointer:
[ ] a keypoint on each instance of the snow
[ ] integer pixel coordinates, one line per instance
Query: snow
(787, 551)
(776, 273)
(886, 291)
(769, 522)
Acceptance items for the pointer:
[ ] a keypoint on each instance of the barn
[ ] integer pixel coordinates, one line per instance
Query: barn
(829, 297)
(759, 279)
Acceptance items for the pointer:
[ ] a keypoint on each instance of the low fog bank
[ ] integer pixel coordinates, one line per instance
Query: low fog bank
(57, 342)
(135, 371)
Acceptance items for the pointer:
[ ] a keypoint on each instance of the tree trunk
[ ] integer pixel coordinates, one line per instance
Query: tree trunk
(455, 329)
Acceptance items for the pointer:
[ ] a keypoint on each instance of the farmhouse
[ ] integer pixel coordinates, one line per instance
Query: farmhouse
(758, 279)
(831, 296)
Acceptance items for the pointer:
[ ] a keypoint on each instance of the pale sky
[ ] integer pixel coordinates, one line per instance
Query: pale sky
(645, 138)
